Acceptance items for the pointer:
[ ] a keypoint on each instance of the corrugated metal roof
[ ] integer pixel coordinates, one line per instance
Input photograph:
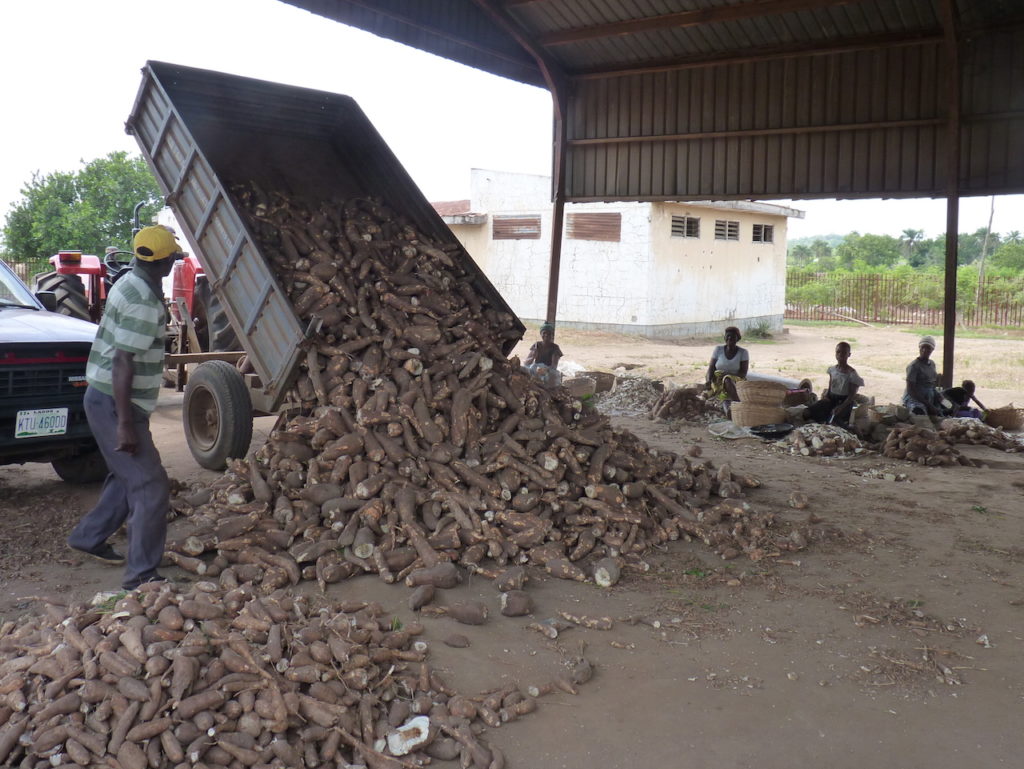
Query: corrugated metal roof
(745, 98)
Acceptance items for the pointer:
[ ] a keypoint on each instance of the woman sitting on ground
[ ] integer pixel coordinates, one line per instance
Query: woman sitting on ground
(729, 362)
(837, 402)
(921, 396)
(542, 359)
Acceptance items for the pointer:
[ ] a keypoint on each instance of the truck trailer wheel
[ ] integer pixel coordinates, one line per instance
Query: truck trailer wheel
(70, 293)
(217, 414)
(81, 468)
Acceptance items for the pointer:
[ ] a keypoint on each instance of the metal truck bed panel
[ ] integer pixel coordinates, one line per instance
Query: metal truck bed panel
(257, 307)
(204, 132)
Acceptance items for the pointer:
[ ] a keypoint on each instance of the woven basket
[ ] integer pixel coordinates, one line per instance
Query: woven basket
(798, 398)
(747, 414)
(579, 386)
(1008, 417)
(603, 381)
(761, 393)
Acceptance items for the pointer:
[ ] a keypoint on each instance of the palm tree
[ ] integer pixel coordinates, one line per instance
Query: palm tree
(1013, 236)
(909, 238)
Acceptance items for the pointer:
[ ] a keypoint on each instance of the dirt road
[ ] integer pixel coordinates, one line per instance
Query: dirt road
(894, 640)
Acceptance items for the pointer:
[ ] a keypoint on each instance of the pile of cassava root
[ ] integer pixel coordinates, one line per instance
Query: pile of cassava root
(411, 441)
(924, 446)
(816, 440)
(684, 403)
(221, 676)
(976, 432)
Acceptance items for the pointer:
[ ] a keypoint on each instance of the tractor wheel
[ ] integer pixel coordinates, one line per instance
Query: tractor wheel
(214, 329)
(70, 293)
(217, 414)
(89, 467)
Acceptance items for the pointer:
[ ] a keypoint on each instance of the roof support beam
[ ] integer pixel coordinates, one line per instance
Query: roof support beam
(439, 32)
(558, 85)
(802, 130)
(926, 37)
(685, 19)
(953, 107)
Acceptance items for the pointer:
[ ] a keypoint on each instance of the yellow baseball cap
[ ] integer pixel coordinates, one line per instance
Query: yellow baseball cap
(155, 243)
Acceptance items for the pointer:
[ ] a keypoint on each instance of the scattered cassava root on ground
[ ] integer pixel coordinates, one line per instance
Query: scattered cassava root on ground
(271, 680)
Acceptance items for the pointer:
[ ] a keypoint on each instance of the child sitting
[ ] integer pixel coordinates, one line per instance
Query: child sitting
(961, 398)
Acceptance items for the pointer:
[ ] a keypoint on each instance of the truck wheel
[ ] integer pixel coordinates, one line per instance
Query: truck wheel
(82, 468)
(70, 293)
(217, 414)
(217, 334)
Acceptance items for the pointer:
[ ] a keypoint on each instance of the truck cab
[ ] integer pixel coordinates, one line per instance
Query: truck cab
(42, 384)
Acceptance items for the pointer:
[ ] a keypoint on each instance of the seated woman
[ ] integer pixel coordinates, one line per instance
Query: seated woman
(542, 359)
(729, 362)
(921, 396)
(837, 402)
(961, 398)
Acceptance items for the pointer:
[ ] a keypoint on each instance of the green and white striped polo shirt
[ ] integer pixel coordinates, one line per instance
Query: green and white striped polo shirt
(133, 321)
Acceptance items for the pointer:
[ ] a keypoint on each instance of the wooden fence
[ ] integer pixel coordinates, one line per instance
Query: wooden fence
(28, 270)
(915, 300)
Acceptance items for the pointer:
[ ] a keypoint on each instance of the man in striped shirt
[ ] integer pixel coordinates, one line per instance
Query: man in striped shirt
(124, 373)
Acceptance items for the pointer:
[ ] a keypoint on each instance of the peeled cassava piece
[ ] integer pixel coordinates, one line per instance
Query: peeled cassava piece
(273, 680)
(516, 603)
(466, 612)
(409, 443)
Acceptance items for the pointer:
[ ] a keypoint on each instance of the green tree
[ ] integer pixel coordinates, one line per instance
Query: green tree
(969, 246)
(85, 210)
(1009, 257)
(910, 237)
(858, 251)
(799, 257)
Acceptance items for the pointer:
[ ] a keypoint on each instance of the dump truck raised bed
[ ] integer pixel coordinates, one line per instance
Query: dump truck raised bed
(204, 134)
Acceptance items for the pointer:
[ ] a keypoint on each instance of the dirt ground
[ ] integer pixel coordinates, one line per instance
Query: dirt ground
(895, 640)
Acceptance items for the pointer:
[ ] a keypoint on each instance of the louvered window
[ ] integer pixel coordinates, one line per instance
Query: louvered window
(764, 233)
(595, 227)
(516, 228)
(685, 227)
(727, 230)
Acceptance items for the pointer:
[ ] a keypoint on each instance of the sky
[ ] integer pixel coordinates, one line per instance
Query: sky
(71, 70)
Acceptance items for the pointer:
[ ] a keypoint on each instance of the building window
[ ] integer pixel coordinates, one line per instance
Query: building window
(595, 227)
(516, 228)
(685, 227)
(727, 230)
(764, 233)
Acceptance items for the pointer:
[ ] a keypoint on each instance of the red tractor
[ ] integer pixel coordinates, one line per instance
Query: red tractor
(188, 282)
(81, 283)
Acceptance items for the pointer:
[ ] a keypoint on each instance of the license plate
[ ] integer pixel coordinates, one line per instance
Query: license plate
(35, 423)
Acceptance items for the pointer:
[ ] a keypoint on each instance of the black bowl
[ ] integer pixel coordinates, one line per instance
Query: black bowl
(772, 432)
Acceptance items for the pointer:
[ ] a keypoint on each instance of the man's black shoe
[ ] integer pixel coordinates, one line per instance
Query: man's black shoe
(143, 581)
(104, 553)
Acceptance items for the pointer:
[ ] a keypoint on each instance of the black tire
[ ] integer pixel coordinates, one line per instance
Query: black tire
(213, 328)
(89, 467)
(70, 293)
(217, 414)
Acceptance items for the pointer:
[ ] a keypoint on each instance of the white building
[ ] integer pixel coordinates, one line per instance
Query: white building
(654, 269)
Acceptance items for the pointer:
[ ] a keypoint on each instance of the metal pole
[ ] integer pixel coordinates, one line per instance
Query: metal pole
(557, 213)
(952, 186)
(558, 85)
